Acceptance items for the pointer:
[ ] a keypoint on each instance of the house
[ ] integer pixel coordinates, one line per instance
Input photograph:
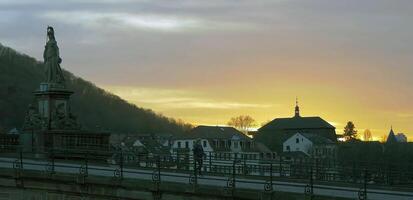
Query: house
(141, 150)
(221, 142)
(223, 146)
(311, 145)
(274, 133)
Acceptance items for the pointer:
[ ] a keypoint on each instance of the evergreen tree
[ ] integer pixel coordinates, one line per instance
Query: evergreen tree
(350, 132)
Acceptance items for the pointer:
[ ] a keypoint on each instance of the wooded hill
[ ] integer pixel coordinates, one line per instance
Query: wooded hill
(95, 108)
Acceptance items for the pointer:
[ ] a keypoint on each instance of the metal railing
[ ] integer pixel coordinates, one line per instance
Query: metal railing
(378, 174)
(160, 173)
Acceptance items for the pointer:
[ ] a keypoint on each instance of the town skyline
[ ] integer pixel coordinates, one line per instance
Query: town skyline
(186, 63)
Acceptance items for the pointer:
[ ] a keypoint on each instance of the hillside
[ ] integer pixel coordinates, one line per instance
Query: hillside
(95, 108)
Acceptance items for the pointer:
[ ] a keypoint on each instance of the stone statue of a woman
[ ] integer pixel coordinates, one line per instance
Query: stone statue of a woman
(52, 60)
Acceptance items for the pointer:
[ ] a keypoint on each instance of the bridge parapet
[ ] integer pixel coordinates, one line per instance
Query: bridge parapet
(113, 181)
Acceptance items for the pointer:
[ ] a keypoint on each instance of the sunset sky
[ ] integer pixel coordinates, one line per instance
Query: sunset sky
(207, 61)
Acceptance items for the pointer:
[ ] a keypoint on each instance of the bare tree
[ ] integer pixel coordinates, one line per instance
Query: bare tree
(367, 135)
(242, 122)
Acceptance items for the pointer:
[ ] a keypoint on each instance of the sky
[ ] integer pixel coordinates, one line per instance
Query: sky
(207, 61)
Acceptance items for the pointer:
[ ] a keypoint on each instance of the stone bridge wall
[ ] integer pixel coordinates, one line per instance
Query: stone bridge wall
(44, 186)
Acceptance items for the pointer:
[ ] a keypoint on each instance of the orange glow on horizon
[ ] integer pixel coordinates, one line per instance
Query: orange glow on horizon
(203, 107)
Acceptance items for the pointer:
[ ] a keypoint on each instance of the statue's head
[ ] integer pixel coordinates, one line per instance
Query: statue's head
(50, 32)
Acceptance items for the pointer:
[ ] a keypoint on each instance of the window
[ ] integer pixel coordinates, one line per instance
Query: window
(179, 144)
(287, 148)
(186, 144)
(297, 140)
(204, 143)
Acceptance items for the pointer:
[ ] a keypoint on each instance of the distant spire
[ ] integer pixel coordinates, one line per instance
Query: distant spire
(391, 138)
(297, 108)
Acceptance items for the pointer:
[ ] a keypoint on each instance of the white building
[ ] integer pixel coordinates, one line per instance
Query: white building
(311, 145)
(222, 145)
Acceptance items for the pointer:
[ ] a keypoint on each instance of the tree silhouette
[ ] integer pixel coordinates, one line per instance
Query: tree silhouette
(367, 135)
(350, 132)
(242, 122)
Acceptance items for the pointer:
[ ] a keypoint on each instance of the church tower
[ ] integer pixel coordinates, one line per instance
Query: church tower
(391, 138)
(297, 108)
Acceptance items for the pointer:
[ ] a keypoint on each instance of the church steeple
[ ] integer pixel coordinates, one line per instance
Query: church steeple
(391, 138)
(297, 108)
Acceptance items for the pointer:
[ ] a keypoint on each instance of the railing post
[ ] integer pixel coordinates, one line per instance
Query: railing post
(156, 178)
(365, 183)
(232, 182)
(159, 168)
(195, 172)
(244, 167)
(233, 171)
(121, 164)
(178, 164)
(354, 172)
(309, 189)
(316, 169)
(86, 165)
(280, 167)
(362, 194)
(52, 155)
(271, 175)
(21, 159)
(210, 161)
(269, 186)
(311, 183)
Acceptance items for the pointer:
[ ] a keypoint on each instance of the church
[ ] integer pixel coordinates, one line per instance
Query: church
(274, 133)
(49, 125)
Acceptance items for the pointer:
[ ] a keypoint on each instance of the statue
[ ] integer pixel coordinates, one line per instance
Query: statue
(52, 60)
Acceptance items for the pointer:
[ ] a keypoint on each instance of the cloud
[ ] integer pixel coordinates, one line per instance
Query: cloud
(151, 21)
(96, 19)
(177, 99)
(404, 115)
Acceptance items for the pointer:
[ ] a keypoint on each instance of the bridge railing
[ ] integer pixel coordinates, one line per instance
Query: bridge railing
(316, 169)
(160, 172)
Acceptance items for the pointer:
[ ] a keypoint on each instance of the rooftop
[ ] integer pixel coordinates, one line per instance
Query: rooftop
(317, 139)
(297, 122)
(214, 132)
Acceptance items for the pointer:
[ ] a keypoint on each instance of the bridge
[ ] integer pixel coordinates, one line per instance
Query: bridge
(21, 178)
